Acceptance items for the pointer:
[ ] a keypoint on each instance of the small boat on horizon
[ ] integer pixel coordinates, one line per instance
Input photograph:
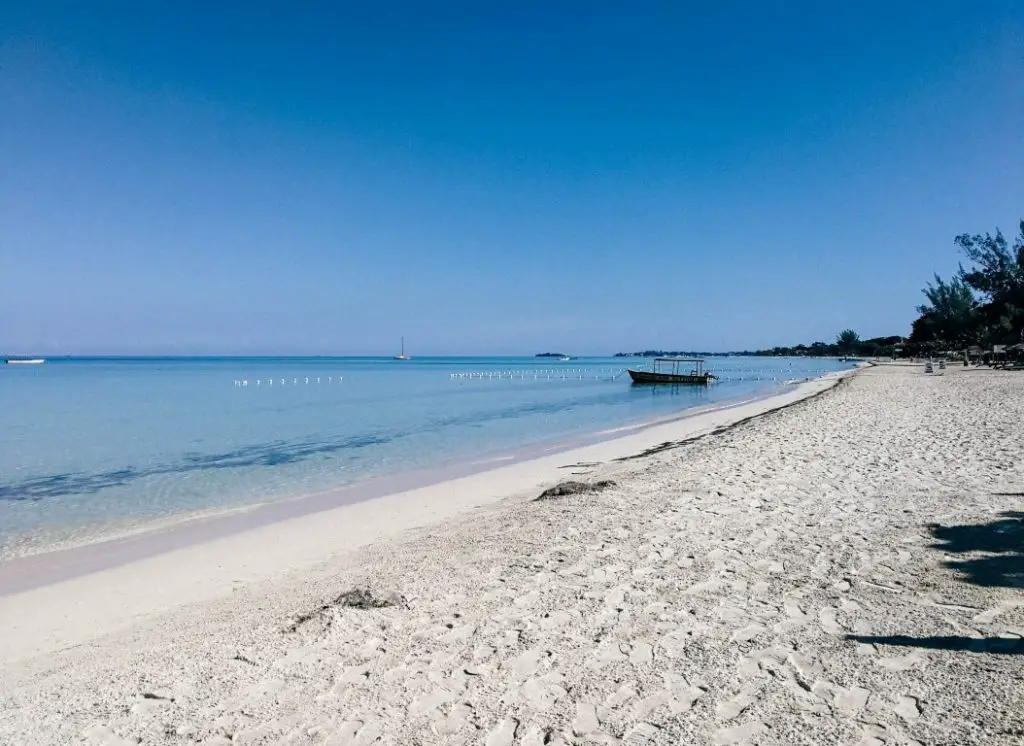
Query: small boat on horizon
(25, 360)
(401, 355)
(667, 370)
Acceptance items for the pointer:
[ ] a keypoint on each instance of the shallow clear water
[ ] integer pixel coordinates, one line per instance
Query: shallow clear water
(92, 441)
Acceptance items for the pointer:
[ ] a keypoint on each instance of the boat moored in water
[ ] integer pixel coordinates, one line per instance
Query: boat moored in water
(674, 370)
(25, 361)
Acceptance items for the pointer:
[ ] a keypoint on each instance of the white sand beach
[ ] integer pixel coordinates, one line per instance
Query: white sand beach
(848, 569)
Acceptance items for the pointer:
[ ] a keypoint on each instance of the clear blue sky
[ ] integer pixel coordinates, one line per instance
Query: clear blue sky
(180, 177)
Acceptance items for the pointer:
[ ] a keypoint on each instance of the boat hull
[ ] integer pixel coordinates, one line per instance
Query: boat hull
(29, 361)
(644, 376)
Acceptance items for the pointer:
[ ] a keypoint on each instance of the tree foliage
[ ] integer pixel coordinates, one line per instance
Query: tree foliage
(997, 275)
(848, 339)
(983, 304)
(950, 316)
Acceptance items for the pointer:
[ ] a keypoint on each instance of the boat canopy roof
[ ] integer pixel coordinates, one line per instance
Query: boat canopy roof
(679, 359)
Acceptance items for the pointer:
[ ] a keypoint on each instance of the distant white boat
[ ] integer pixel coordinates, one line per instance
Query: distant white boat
(25, 361)
(402, 355)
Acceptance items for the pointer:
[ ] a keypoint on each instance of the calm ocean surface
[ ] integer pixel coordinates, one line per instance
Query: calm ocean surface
(91, 445)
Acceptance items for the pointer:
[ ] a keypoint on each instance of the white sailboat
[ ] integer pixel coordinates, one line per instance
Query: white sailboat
(402, 355)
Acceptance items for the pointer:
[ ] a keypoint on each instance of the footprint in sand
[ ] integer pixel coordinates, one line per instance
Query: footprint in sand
(807, 666)
(733, 708)
(345, 734)
(454, 721)
(899, 663)
(103, 736)
(428, 702)
(765, 659)
(504, 733)
(541, 737)
(795, 617)
(739, 733)
(648, 705)
(542, 693)
(606, 653)
(870, 741)
(556, 619)
(640, 734)
(527, 600)
(908, 708)
(793, 610)
(525, 663)
(827, 618)
(641, 653)
(682, 694)
(760, 588)
(619, 697)
(585, 720)
(748, 633)
(852, 700)
(989, 615)
(354, 733)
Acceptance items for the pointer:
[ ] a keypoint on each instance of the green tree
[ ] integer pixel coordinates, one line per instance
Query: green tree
(847, 340)
(998, 275)
(950, 317)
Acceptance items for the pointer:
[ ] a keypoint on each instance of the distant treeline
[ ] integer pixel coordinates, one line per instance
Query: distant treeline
(847, 344)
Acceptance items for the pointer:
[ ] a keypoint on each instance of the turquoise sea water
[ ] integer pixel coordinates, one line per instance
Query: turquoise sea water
(90, 442)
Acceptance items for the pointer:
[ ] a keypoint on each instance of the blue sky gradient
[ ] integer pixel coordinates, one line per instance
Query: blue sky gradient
(186, 178)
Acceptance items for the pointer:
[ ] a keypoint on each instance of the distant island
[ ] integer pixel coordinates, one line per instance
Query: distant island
(553, 354)
(847, 344)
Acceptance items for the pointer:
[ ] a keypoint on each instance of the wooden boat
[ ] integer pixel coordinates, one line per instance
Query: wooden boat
(402, 355)
(674, 370)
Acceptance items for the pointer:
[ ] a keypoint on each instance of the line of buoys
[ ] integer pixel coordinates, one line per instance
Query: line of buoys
(547, 374)
(244, 382)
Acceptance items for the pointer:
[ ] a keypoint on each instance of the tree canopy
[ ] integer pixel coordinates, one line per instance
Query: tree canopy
(848, 339)
(997, 275)
(950, 314)
(983, 304)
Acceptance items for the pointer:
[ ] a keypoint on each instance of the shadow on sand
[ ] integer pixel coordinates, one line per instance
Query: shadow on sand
(996, 645)
(1002, 541)
(997, 561)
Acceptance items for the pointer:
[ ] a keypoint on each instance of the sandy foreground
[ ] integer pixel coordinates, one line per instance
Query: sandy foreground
(847, 570)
